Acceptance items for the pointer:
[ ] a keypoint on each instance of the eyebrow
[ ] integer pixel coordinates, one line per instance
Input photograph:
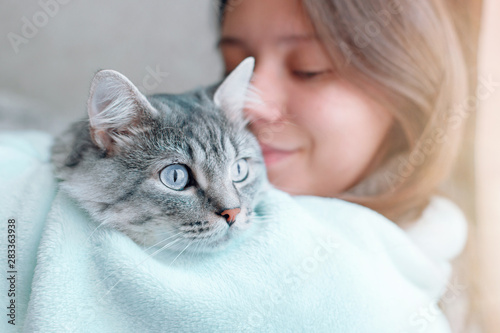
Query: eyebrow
(289, 39)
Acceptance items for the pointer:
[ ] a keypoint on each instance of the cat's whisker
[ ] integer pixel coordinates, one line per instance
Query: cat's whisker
(92, 233)
(193, 253)
(265, 218)
(263, 215)
(262, 221)
(142, 261)
(261, 218)
(163, 240)
(259, 215)
(180, 253)
(161, 249)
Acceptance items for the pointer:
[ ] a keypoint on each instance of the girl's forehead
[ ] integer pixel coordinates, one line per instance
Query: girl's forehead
(274, 20)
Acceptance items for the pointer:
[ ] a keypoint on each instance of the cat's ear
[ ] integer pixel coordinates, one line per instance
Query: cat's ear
(236, 90)
(115, 108)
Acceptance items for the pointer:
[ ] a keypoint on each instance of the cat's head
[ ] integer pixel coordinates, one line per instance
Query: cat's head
(180, 171)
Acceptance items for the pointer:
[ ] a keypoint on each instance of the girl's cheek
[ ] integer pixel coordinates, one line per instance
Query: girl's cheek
(318, 114)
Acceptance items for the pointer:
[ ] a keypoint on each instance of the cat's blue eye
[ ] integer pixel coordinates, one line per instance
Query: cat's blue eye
(239, 171)
(175, 176)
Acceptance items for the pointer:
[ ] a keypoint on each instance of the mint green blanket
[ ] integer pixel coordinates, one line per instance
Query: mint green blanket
(310, 265)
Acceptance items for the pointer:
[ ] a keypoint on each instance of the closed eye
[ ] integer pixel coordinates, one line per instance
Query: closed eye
(310, 74)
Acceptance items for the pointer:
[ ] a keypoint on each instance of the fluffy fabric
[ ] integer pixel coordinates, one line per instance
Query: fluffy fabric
(309, 264)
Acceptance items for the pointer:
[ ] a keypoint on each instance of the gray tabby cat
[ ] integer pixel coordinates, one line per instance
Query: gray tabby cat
(178, 167)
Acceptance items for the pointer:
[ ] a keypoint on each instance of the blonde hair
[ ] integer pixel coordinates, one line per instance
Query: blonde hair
(407, 55)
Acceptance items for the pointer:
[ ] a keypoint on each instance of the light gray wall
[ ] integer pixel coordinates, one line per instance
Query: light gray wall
(54, 65)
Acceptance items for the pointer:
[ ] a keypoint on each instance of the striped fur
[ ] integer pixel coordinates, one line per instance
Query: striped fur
(121, 188)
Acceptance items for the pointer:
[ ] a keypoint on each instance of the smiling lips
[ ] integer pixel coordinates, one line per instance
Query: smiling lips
(273, 155)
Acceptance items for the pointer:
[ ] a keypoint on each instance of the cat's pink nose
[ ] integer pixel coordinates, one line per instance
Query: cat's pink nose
(230, 215)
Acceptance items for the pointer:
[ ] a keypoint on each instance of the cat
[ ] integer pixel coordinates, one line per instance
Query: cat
(180, 167)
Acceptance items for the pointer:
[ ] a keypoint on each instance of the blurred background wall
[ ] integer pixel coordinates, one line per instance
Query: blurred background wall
(50, 50)
(488, 167)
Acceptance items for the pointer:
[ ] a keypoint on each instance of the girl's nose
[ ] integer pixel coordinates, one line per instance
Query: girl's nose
(270, 88)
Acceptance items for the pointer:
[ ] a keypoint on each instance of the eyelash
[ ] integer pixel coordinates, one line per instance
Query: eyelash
(309, 75)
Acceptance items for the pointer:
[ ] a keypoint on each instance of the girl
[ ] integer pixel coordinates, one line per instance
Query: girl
(364, 102)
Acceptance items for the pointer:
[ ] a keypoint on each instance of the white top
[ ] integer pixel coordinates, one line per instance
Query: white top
(441, 234)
